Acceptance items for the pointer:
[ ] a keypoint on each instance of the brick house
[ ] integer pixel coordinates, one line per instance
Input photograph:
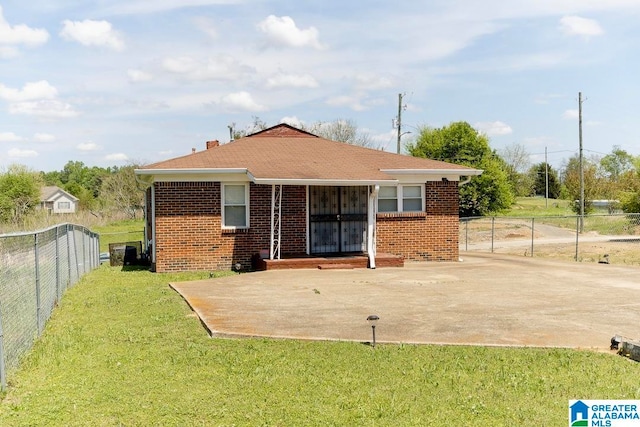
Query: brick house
(283, 192)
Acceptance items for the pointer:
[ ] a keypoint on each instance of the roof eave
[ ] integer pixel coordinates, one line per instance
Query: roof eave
(322, 181)
(191, 171)
(431, 172)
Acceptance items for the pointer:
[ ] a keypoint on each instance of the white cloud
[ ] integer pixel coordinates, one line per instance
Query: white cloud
(496, 128)
(282, 31)
(352, 102)
(206, 26)
(138, 76)
(133, 7)
(577, 26)
(44, 137)
(7, 52)
(222, 67)
(117, 157)
(16, 152)
(373, 82)
(92, 33)
(570, 114)
(29, 92)
(88, 146)
(44, 108)
(292, 120)
(10, 137)
(20, 34)
(242, 101)
(291, 80)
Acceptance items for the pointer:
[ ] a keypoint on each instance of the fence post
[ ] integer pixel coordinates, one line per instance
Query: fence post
(3, 373)
(66, 229)
(532, 234)
(84, 251)
(37, 262)
(577, 234)
(493, 221)
(58, 295)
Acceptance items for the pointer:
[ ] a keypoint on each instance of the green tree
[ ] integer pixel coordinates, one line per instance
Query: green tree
(540, 173)
(120, 191)
(617, 163)
(460, 143)
(593, 185)
(19, 193)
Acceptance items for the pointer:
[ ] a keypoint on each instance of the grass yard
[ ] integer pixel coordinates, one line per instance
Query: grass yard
(124, 349)
(538, 206)
(121, 231)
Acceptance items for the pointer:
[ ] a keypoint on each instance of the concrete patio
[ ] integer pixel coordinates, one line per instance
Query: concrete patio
(485, 300)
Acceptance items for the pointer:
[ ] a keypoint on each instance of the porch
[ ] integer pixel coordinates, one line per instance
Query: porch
(340, 261)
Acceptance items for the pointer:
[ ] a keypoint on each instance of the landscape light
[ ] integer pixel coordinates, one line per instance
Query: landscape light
(373, 319)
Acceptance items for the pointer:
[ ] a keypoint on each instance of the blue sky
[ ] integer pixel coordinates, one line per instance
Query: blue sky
(114, 82)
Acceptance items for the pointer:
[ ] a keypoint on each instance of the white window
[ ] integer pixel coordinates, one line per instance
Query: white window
(403, 198)
(388, 199)
(412, 198)
(64, 205)
(235, 206)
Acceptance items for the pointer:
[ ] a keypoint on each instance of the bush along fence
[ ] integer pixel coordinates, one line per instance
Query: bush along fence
(36, 268)
(593, 238)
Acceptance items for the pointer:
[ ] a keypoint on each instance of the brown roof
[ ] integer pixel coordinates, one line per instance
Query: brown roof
(47, 193)
(284, 152)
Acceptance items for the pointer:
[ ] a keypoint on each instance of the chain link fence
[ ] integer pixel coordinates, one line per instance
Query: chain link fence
(35, 270)
(594, 238)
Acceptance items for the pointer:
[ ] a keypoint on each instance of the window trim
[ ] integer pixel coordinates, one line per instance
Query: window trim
(400, 198)
(223, 206)
(67, 205)
(387, 198)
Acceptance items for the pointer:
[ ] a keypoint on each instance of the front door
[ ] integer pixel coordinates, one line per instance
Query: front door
(338, 219)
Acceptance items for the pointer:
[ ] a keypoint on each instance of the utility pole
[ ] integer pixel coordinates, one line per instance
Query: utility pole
(399, 120)
(546, 179)
(581, 162)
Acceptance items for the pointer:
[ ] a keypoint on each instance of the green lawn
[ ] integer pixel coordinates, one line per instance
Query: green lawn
(121, 231)
(538, 206)
(124, 349)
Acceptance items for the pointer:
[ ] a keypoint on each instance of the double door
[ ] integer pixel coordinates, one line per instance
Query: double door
(338, 219)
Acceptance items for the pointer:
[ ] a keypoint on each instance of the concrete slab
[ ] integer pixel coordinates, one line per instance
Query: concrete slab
(486, 299)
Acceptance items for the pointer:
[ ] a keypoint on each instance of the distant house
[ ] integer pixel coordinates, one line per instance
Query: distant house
(56, 200)
(284, 192)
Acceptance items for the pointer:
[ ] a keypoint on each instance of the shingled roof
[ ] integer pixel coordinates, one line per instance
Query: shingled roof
(284, 153)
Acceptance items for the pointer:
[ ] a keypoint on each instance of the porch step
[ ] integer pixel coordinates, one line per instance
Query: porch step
(336, 266)
(345, 262)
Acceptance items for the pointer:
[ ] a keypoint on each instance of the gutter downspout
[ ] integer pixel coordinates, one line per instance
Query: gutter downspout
(466, 181)
(371, 226)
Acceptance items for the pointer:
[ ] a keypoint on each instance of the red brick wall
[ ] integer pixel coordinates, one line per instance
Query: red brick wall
(424, 236)
(189, 234)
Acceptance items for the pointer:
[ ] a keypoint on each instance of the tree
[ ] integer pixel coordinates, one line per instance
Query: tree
(460, 143)
(617, 163)
(592, 184)
(19, 193)
(539, 174)
(120, 191)
(256, 126)
(517, 160)
(342, 130)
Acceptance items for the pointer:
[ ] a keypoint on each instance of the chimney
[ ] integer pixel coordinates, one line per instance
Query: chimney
(211, 144)
(193, 151)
